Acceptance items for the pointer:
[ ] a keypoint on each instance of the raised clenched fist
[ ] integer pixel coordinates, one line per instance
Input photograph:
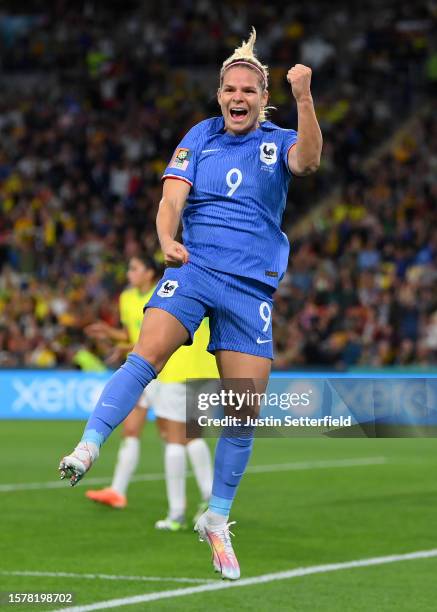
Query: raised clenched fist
(299, 77)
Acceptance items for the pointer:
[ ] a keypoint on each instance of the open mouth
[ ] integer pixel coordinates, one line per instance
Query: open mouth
(238, 114)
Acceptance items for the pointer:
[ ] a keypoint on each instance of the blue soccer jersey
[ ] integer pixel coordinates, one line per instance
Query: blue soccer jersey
(239, 184)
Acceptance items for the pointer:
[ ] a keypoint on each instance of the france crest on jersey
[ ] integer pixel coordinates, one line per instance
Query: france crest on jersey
(232, 219)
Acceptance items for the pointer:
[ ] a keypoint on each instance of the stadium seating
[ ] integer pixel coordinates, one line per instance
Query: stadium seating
(88, 122)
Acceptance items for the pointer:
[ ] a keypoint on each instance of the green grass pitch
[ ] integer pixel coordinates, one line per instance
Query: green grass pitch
(286, 518)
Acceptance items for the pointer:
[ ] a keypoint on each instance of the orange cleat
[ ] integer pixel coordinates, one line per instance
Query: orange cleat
(109, 497)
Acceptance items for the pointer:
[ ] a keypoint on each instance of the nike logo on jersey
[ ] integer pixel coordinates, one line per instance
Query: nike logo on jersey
(259, 341)
(210, 150)
(105, 405)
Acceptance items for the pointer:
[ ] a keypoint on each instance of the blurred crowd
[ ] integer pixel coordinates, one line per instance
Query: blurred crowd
(94, 100)
(362, 291)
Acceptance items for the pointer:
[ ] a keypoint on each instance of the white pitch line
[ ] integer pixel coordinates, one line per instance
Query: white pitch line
(314, 465)
(58, 484)
(255, 580)
(253, 469)
(103, 577)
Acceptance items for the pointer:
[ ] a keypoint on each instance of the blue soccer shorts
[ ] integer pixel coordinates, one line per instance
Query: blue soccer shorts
(239, 308)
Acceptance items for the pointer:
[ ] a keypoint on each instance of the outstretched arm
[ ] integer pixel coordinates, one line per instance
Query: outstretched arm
(102, 331)
(174, 196)
(304, 157)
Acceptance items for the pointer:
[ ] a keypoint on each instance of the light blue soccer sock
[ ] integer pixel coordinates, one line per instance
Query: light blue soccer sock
(118, 398)
(231, 457)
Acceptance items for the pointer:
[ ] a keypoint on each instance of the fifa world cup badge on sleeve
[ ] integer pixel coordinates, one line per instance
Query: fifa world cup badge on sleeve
(181, 159)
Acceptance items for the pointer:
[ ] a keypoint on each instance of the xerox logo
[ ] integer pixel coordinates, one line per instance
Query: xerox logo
(54, 395)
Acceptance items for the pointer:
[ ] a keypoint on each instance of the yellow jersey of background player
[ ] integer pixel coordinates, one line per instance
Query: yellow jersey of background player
(192, 361)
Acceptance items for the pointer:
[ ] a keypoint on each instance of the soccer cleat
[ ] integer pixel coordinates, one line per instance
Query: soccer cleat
(219, 539)
(168, 524)
(109, 497)
(76, 465)
(201, 508)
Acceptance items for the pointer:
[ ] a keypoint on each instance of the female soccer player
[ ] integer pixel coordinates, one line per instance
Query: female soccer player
(228, 179)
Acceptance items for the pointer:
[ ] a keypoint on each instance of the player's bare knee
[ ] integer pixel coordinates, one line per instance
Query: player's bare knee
(152, 353)
(164, 436)
(162, 428)
(131, 432)
(132, 429)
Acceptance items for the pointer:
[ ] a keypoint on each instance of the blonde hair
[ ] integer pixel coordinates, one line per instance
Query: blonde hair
(245, 56)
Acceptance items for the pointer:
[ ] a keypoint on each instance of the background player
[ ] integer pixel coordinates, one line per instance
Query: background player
(188, 362)
(168, 400)
(232, 182)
